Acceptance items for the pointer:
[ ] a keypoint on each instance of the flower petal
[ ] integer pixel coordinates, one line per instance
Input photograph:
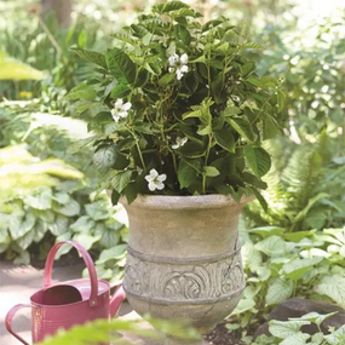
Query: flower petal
(127, 106)
(184, 68)
(184, 58)
(118, 103)
(153, 173)
(159, 185)
(161, 177)
(152, 186)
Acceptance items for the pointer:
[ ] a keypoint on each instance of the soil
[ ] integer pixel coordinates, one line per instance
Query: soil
(221, 336)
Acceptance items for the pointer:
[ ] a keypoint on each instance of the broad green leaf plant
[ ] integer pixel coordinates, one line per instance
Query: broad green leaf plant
(177, 108)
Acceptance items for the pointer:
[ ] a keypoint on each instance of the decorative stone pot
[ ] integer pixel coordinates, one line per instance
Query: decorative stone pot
(184, 260)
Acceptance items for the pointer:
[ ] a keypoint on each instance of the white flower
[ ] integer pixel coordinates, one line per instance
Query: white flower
(173, 59)
(120, 109)
(178, 64)
(180, 71)
(184, 59)
(179, 143)
(155, 181)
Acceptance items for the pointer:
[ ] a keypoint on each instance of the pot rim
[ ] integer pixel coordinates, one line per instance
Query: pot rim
(185, 201)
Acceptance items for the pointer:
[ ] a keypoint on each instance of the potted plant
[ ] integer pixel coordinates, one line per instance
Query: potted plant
(179, 115)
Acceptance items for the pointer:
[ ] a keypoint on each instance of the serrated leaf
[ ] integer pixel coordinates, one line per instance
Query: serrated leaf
(225, 139)
(121, 66)
(242, 127)
(258, 160)
(91, 56)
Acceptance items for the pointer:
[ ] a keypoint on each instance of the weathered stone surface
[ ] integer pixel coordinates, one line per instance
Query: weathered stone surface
(297, 307)
(184, 259)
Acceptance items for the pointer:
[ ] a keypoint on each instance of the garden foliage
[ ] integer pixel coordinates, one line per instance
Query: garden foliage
(180, 100)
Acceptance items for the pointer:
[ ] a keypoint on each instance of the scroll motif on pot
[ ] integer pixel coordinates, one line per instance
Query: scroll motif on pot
(179, 281)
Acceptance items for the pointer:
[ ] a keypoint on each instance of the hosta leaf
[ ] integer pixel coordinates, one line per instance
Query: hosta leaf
(59, 226)
(11, 69)
(112, 253)
(258, 160)
(278, 291)
(87, 241)
(170, 6)
(332, 286)
(83, 224)
(71, 209)
(97, 210)
(42, 201)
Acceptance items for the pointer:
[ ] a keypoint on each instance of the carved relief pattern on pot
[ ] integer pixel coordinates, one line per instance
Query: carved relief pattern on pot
(179, 281)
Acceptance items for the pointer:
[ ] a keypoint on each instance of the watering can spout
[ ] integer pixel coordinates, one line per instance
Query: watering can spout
(115, 302)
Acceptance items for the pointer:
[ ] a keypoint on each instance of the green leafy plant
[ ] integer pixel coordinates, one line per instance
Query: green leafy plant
(280, 265)
(291, 332)
(178, 108)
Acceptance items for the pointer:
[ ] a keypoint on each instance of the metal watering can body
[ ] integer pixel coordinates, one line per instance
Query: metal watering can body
(64, 305)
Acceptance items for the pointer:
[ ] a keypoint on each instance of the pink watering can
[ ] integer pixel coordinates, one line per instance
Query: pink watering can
(64, 305)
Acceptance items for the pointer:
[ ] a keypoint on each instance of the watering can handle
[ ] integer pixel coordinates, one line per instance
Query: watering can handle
(87, 260)
(9, 317)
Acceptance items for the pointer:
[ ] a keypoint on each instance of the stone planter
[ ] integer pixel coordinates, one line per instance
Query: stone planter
(184, 260)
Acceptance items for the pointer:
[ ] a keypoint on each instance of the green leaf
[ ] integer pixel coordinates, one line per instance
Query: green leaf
(186, 174)
(263, 82)
(42, 201)
(244, 305)
(170, 6)
(97, 210)
(91, 56)
(225, 139)
(11, 69)
(87, 241)
(211, 171)
(69, 210)
(272, 246)
(82, 91)
(296, 339)
(337, 337)
(242, 127)
(258, 160)
(278, 291)
(83, 224)
(121, 180)
(332, 286)
(59, 226)
(113, 253)
(121, 66)
(295, 269)
(285, 329)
